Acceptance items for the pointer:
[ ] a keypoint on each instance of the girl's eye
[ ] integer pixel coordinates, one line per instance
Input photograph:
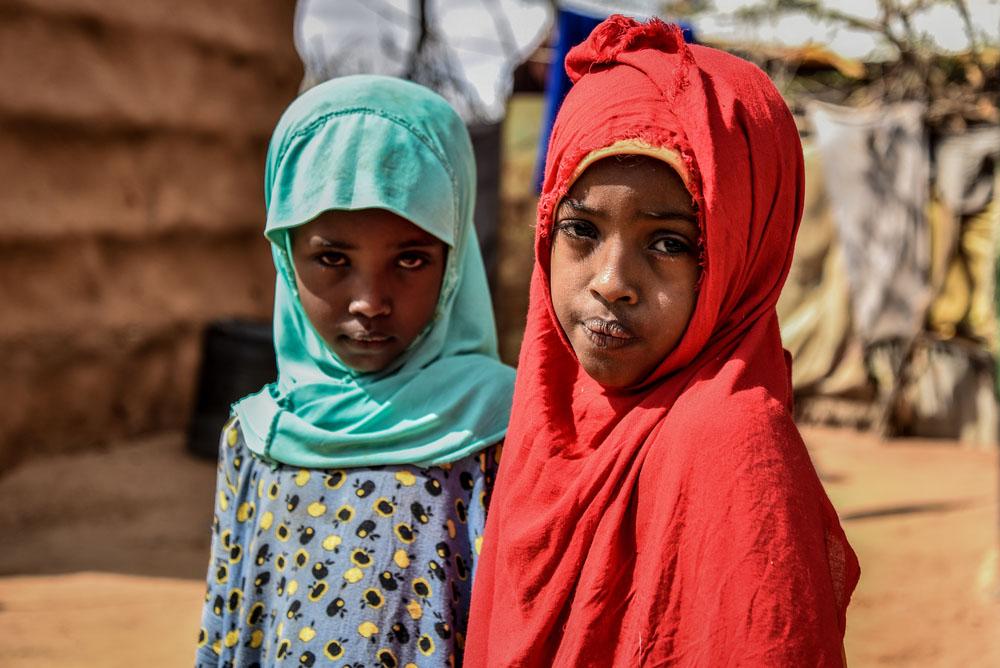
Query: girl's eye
(412, 261)
(332, 259)
(672, 245)
(577, 229)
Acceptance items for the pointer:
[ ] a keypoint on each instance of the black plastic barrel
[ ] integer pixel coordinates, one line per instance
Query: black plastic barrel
(237, 360)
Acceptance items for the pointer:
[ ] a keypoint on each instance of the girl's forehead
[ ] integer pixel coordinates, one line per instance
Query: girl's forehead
(643, 181)
(363, 227)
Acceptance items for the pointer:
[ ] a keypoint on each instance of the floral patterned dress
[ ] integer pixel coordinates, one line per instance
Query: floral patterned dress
(348, 567)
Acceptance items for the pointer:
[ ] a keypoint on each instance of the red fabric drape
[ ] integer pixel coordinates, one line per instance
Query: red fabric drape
(680, 522)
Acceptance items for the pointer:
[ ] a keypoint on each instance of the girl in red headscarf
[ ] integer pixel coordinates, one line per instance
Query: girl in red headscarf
(656, 505)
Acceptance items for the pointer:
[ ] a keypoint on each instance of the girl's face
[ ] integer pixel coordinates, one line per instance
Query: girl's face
(624, 267)
(368, 281)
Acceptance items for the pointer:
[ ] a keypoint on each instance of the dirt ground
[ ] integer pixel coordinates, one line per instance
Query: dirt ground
(922, 516)
(104, 553)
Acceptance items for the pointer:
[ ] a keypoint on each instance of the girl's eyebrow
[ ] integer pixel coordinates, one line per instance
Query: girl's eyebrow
(579, 207)
(671, 215)
(317, 240)
(416, 243)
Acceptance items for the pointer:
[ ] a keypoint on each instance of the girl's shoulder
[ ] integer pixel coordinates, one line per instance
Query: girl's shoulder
(718, 411)
(746, 431)
(234, 453)
(232, 432)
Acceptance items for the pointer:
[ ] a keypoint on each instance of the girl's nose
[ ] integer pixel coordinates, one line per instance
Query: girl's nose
(370, 303)
(611, 281)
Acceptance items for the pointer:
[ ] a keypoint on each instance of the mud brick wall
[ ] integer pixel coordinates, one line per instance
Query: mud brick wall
(132, 141)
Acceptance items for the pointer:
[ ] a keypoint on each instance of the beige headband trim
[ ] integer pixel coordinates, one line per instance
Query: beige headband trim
(634, 147)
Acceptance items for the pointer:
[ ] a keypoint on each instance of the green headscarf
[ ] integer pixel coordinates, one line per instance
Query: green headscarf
(364, 142)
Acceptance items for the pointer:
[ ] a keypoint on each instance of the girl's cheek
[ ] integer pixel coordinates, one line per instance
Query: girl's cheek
(569, 279)
(417, 298)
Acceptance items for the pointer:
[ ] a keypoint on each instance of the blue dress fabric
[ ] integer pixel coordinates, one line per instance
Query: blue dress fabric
(341, 567)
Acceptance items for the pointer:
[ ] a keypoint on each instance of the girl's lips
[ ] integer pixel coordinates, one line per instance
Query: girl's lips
(367, 341)
(610, 334)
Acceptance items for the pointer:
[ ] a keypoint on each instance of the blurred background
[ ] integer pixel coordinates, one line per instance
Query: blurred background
(137, 284)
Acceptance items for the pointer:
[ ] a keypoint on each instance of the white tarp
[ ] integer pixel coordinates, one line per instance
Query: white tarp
(473, 49)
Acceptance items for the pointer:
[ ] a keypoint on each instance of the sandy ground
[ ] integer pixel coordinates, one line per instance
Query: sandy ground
(104, 553)
(922, 517)
(104, 557)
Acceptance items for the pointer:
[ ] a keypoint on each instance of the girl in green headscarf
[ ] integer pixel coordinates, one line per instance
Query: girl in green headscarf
(352, 491)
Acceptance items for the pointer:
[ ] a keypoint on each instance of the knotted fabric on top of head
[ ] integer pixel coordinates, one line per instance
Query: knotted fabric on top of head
(363, 142)
(680, 521)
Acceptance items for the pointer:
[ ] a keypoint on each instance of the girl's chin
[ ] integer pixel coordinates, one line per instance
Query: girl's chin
(366, 359)
(608, 367)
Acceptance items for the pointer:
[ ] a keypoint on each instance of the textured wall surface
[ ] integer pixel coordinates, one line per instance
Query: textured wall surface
(132, 141)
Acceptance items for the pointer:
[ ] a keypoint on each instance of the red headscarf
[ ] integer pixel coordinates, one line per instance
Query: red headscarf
(681, 521)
